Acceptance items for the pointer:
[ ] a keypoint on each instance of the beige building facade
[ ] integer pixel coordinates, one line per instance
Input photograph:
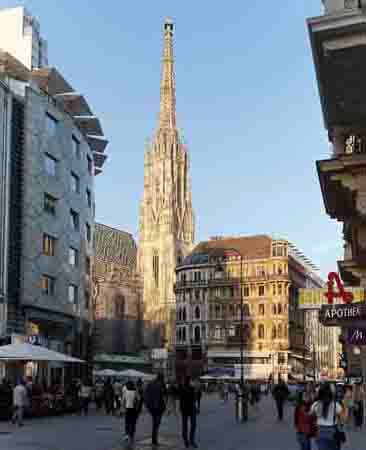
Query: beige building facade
(266, 274)
(167, 224)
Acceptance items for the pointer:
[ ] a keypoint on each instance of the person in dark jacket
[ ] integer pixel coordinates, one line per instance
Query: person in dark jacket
(108, 396)
(188, 408)
(280, 394)
(155, 399)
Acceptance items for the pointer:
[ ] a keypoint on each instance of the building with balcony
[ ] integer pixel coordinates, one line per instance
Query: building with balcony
(338, 41)
(220, 275)
(57, 148)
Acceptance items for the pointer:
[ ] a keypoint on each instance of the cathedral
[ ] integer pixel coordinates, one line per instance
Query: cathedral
(167, 225)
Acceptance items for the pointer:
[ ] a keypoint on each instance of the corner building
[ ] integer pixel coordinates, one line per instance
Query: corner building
(338, 40)
(57, 148)
(208, 319)
(166, 213)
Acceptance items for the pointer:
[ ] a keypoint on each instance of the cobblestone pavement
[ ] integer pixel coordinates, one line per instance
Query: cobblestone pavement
(217, 430)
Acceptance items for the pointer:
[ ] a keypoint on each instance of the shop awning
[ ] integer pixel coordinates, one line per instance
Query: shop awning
(29, 352)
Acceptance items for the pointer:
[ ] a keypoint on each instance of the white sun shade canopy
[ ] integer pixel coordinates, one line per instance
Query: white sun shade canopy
(29, 352)
(135, 374)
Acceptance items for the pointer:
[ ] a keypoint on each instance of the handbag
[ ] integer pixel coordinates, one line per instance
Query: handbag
(339, 434)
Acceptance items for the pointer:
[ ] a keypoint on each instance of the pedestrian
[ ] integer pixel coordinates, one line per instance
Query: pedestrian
(85, 394)
(172, 398)
(328, 413)
(99, 394)
(188, 408)
(155, 400)
(130, 403)
(20, 400)
(108, 396)
(280, 394)
(140, 392)
(303, 422)
(358, 406)
(198, 390)
(117, 389)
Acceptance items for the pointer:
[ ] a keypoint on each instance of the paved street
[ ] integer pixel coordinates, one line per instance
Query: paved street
(217, 430)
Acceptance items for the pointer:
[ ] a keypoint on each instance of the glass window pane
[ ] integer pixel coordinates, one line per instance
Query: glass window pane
(50, 164)
(51, 125)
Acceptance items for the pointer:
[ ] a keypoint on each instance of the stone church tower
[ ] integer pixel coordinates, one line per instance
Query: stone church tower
(166, 215)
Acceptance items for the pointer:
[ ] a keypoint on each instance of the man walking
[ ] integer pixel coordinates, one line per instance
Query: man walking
(155, 400)
(280, 394)
(188, 408)
(19, 402)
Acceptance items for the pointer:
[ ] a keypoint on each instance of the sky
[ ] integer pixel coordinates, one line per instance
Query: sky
(247, 106)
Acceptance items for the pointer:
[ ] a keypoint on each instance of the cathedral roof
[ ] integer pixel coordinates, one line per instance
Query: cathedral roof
(114, 246)
(250, 247)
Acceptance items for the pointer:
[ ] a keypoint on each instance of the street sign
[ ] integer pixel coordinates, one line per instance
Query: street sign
(356, 336)
(316, 298)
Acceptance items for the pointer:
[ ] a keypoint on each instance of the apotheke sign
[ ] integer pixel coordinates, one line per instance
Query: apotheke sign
(341, 314)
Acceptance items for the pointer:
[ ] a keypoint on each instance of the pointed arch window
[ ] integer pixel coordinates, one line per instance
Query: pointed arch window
(197, 313)
(156, 268)
(274, 309)
(197, 334)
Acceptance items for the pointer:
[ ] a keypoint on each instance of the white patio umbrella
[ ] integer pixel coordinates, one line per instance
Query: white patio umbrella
(106, 373)
(135, 374)
(29, 352)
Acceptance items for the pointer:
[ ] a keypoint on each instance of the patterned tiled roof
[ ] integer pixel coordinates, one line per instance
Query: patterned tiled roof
(250, 247)
(114, 246)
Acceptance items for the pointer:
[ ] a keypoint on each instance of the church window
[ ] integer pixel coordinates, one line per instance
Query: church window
(156, 269)
(119, 303)
(197, 313)
(197, 334)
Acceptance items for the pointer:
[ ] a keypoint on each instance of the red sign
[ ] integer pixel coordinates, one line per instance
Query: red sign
(346, 296)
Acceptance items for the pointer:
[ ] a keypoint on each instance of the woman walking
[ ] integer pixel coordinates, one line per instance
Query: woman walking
(130, 403)
(328, 413)
(303, 423)
(358, 405)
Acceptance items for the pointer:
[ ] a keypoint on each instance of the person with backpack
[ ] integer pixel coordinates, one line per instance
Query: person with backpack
(130, 403)
(155, 400)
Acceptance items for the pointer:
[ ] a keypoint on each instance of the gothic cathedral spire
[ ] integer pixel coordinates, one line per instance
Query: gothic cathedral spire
(167, 224)
(167, 119)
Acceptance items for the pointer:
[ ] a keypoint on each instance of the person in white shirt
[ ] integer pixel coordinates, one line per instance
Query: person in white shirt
(130, 403)
(328, 413)
(85, 394)
(20, 398)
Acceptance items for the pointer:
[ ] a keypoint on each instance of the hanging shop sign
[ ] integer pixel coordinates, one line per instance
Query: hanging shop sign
(343, 315)
(335, 293)
(356, 336)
